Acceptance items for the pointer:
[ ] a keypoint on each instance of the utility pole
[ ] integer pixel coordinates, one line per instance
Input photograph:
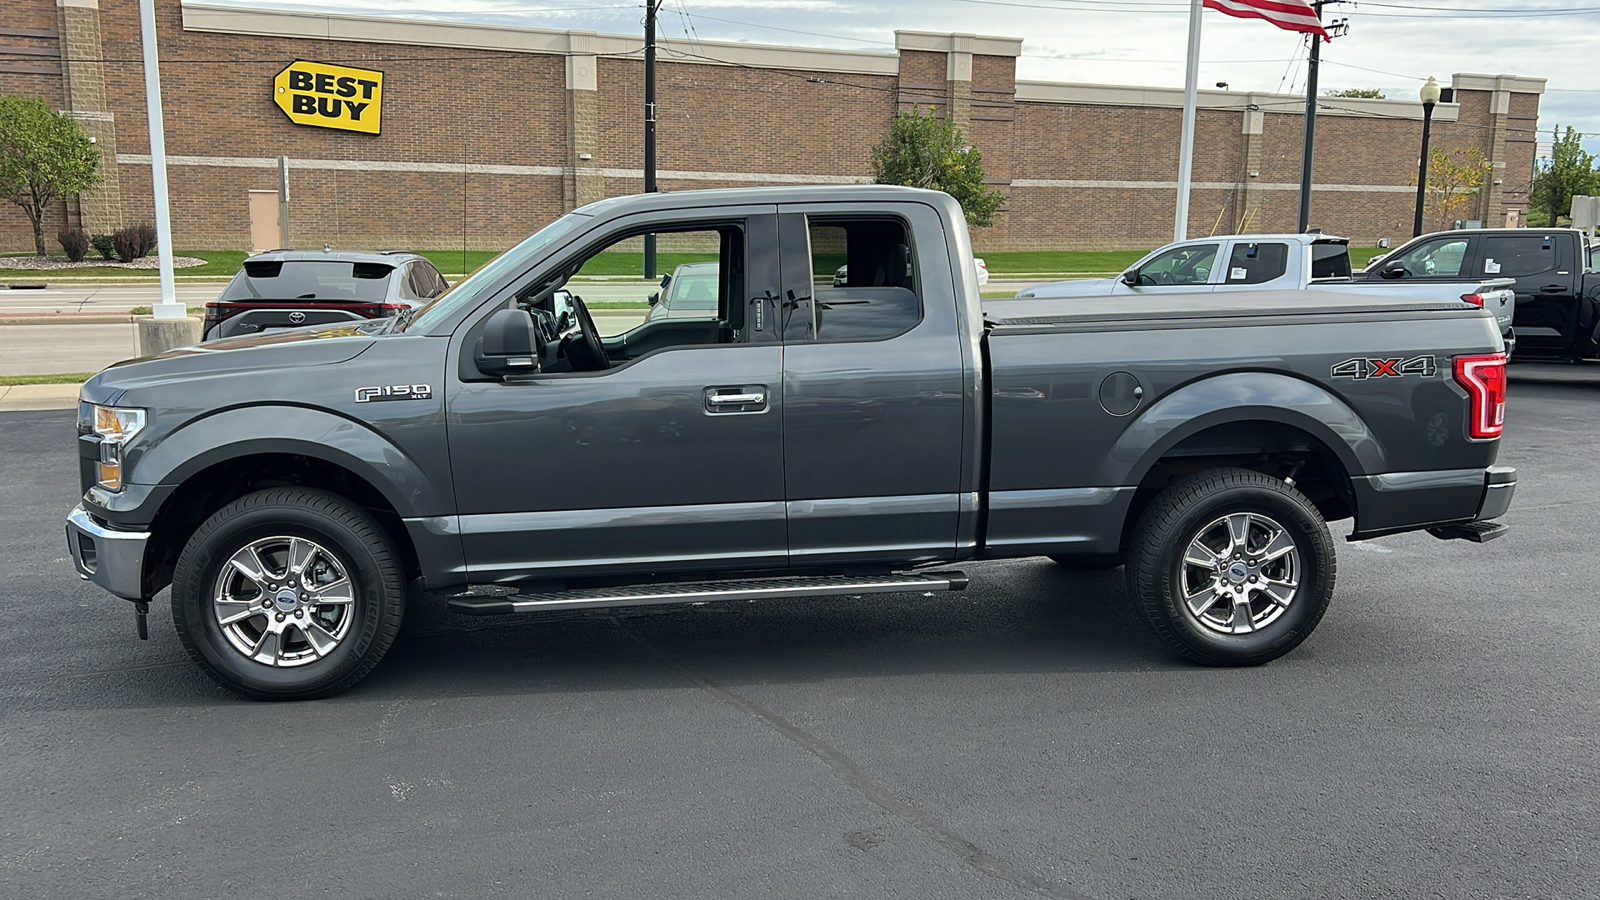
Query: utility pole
(1336, 29)
(650, 124)
(1311, 126)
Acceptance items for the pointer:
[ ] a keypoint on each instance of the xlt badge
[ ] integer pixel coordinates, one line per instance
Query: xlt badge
(394, 392)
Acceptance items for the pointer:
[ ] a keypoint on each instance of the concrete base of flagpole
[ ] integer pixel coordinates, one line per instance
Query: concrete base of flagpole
(160, 335)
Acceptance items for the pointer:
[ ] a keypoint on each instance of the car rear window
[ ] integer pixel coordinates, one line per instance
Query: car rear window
(330, 280)
(697, 291)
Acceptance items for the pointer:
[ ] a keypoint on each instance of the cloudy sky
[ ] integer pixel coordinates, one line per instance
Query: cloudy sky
(1392, 45)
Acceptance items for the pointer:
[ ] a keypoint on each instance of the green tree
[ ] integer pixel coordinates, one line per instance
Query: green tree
(1570, 170)
(1360, 93)
(44, 157)
(927, 152)
(1454, 179)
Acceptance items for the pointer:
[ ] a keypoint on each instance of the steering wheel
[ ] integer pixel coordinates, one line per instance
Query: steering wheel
(589, 338)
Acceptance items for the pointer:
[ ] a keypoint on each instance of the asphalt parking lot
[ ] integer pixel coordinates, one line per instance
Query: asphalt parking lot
(1439, 736)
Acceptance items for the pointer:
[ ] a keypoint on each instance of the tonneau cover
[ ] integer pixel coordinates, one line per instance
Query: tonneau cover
(1047, 311)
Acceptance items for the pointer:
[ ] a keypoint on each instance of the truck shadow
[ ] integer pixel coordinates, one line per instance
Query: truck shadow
(1025, 617)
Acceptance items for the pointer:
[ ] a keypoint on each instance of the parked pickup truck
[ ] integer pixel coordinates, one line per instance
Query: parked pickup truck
(497, 449)
(1557, 288)
(1273, 262)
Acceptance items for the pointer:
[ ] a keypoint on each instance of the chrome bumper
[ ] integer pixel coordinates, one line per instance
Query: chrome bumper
(1500, 482)
(109, 557)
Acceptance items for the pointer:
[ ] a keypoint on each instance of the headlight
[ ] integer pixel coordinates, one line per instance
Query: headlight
(115, 427)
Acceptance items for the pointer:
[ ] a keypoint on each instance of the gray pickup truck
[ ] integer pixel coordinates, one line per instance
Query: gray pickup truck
(496, 449)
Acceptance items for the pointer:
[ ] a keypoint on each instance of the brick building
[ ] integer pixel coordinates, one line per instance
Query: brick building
(490, 131)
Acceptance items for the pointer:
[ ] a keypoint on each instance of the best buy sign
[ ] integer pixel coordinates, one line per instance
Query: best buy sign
(330, 96)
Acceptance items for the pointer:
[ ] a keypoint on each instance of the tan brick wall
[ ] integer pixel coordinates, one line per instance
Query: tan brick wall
(449, 107)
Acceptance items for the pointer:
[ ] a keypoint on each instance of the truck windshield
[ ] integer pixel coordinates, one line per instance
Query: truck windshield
(1330, 260)
(322, 280)
(467, 289)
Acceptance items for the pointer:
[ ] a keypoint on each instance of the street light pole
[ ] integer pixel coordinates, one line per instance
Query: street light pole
(650, 124)
(1430, 96)
(1311, 124)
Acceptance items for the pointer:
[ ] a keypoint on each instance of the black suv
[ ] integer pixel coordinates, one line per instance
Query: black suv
(283, 289)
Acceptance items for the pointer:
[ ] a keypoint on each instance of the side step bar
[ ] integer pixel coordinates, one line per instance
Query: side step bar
(706, 591)
(1479, 532)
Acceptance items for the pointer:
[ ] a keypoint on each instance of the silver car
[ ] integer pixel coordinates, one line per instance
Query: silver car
(689, 292)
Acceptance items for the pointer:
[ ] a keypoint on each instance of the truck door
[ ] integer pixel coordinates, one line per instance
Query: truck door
(1255, 266)
(873, 386)
(1546, 314)
(1186, 268)
(668, 456)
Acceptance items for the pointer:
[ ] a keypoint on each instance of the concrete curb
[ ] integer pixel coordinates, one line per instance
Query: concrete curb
(38, 396)
(71, 319)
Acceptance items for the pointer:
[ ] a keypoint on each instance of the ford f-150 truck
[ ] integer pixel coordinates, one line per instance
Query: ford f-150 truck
(1557, 289)
(500, 450)
(1276, 262)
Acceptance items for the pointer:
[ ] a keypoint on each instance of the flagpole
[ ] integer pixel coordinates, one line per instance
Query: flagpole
(1180, 227)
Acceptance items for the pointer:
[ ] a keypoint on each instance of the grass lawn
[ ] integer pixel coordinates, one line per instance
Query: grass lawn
(65, 378)
(221, 263)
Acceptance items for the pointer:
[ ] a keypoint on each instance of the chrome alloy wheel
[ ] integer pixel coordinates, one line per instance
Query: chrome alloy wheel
(284, 601)
(1240, 573)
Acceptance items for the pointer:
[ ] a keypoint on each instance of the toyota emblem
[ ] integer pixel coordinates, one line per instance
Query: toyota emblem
(297, 317)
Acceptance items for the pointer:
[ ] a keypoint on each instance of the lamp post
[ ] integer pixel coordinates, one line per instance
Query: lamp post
(1430, 96)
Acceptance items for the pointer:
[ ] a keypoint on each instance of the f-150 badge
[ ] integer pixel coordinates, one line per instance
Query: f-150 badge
(1361, 369)
(394, 392)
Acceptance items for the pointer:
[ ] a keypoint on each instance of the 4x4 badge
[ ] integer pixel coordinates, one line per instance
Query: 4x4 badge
(1361, 369)
(394, 392)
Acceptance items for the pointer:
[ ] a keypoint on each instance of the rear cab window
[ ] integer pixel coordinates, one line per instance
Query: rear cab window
(1330, 259)
(1516, 256)
(862, 274)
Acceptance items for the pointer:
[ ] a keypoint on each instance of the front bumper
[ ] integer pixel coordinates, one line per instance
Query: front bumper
(109, 557)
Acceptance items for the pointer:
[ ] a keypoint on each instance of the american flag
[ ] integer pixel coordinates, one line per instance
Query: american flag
(1290, 15)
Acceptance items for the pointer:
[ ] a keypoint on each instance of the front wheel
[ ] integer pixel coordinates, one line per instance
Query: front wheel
(1231, 567)
(288, 594)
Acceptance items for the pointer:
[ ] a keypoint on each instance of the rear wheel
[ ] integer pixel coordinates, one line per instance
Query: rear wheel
(288, 594)
(1231, 567)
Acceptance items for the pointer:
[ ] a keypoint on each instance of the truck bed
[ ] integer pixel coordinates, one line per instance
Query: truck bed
(1045, 312)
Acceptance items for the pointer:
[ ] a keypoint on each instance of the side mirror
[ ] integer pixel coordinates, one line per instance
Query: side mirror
(510, 345)
(1130, 278)
(655, 298)
(1395, 269)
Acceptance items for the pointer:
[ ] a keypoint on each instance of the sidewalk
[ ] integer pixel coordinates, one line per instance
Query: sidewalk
(38, 396)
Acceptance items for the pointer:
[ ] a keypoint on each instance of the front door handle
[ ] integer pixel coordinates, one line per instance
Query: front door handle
(749, 398)
(735, 399)
(1553, 289)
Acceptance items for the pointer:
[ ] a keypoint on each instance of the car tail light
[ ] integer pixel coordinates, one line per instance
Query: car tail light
(1474, 299)
(1484, 378)
(217, 310)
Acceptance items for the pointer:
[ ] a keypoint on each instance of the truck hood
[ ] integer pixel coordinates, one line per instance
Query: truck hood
(1077, 287)
(251, 356)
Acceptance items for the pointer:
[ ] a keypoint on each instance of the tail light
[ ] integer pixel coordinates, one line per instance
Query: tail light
(217, 310)
(1484, 378)
(1474, 299)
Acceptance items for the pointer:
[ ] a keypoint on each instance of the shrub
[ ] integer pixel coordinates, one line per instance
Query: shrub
(105, 245)
(74, 241)
(135, 241)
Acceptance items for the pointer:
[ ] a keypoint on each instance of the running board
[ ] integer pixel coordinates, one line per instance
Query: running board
(1479, 532)
(707, 591)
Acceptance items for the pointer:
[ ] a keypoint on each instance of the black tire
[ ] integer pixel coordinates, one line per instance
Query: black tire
(1159, 578)
(355, 546)
(1089, 562)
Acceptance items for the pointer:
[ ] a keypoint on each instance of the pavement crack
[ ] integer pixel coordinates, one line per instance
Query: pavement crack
(853, 775)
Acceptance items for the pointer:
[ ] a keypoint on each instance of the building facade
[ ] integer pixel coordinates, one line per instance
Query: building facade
(487, 132)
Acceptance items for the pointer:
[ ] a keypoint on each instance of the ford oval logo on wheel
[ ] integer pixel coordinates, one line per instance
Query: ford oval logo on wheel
(297, 317)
